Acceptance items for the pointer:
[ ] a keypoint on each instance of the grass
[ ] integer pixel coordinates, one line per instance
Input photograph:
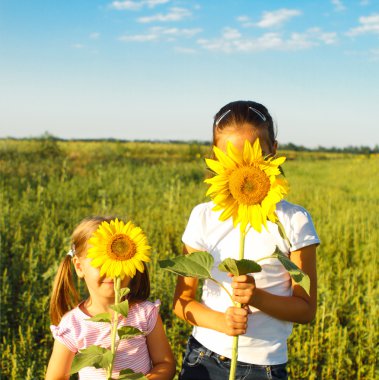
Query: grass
(47, 187)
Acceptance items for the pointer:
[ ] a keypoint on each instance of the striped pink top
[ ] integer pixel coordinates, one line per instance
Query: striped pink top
(77, 333)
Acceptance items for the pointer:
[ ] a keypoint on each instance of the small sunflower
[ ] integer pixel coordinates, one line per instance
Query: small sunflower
(246, 186)
(119, 249)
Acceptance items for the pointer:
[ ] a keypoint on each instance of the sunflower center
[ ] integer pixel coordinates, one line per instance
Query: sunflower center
(249, 185)
(121, 248)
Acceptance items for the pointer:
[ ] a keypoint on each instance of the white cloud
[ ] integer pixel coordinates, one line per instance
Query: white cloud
(243, 18)
(176, 32)
(277, 18)
(328, 38)
(231, 34)
(368, 24)
(371, 55)
(133, 5)
(245, 21)
(77, 46)
(175, 14)
(139, 37)
(232, 40)
(159, 33)
(184, 50)
(338, 5)
(94, 36)
(126, 5)
(153, 3)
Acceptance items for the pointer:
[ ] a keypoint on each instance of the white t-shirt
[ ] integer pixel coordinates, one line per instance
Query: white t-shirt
(265, 341)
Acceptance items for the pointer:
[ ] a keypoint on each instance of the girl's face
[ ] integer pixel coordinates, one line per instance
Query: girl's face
(238, 135)
(99, 287)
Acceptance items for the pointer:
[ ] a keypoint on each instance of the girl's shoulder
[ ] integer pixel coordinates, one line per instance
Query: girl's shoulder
(204, 211)
(145, 307)
(203, 207)
(298, 224)
(144, 315)
(75, 315)
(292, 215)
(289, 209)
(69, 328)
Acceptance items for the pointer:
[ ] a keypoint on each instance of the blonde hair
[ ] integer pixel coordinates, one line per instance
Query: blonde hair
(65, 296)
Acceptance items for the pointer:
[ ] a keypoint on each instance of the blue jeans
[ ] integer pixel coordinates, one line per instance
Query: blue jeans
(199, 363)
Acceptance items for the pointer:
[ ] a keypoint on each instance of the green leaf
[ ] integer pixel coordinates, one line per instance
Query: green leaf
(239, 267)
(295, 272)
(102, 317)
(92, 356)
(127, 332)
(124, 292)
(122, 308)
(196, 264)
(128, 374)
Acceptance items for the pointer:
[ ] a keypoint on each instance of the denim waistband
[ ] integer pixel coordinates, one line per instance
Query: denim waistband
(192, 341)
(207, 352)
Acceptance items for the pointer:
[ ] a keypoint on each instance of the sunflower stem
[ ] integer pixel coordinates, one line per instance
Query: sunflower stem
(223, 287)
(233, 364)
(117, 287)
(282, 232)
(274, 256)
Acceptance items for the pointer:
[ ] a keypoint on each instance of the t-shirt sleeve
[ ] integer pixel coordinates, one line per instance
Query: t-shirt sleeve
(64, 335)
(193, 234)
(152, 316)
(302, 229)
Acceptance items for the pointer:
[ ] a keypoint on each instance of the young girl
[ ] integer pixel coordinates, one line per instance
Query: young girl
(149, 353)
(272, 302)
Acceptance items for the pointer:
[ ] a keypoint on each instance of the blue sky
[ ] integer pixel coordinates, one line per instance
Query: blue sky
(160, 69)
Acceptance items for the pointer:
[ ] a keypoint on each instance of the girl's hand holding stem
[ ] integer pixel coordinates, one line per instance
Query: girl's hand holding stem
(236, 320)
(243, 289)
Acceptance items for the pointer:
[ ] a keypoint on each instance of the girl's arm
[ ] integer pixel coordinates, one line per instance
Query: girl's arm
(232, 322)
(60, 362)
(299, 307)
(160, 354)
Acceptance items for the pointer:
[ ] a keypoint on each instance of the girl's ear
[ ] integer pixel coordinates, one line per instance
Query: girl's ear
(78, 266)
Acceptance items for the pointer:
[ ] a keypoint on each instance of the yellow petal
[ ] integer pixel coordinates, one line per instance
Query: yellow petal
(278, 161)
(234, 153)
(257, 150)
(214, 165)
(226, 161)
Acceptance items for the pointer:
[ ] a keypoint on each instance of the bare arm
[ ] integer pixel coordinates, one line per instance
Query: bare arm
(299, 307)
(232, 322)
(60, 362)
(160, 354)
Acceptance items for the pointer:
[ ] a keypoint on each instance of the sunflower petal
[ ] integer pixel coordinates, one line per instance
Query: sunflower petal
(214, 165)
(234, 153)
(223, 158)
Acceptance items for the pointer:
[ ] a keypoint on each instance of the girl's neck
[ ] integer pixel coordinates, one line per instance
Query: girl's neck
(93, 307)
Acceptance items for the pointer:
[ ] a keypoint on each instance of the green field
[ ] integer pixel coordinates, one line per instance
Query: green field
(47, 187)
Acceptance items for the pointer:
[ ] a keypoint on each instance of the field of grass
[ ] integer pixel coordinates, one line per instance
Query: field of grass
(47, 187)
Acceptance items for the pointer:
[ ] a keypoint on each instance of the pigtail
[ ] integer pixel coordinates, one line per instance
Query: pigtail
(64, 296)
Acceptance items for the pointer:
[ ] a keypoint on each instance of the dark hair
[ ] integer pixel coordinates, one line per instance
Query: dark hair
(139, 286)
(65, 295)
(244, 112)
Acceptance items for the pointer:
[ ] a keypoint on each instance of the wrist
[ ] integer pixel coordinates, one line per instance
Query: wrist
(255, 300)
(219, 322)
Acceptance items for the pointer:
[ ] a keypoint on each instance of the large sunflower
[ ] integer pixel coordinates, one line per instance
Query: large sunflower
(119, 249)
(246, 185)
